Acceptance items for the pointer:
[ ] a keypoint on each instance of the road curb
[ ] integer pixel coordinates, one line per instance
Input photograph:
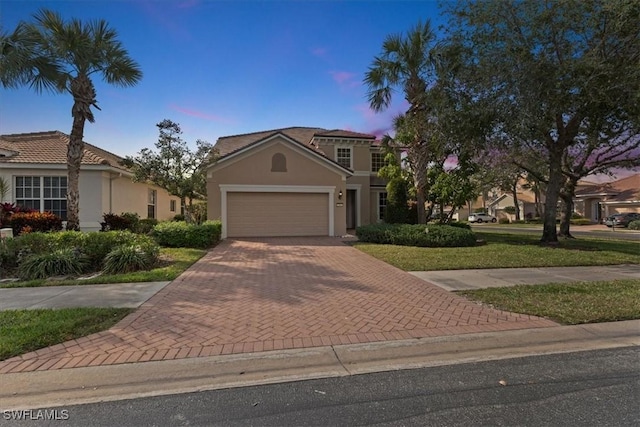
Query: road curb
(32, 390)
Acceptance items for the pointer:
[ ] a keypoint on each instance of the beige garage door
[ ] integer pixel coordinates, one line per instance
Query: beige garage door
(277, 214)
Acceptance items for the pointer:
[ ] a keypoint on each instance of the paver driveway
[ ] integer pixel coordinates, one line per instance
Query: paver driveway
(278, 293)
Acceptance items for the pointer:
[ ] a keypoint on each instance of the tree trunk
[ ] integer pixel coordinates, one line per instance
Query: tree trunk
(549, 231)
(514, 191)
(567, 207)
(419, 162)
(84, 95)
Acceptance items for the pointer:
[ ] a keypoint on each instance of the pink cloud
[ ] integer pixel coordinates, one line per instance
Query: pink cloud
(320, 52)
(345, 79)
(202, 115)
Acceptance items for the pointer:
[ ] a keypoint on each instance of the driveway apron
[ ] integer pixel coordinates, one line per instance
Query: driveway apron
(256, 295)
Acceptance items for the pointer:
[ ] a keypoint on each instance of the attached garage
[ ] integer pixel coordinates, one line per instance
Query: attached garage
(277, 187)
(267, 214)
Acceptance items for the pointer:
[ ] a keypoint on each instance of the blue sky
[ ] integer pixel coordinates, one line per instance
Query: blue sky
(224, 67)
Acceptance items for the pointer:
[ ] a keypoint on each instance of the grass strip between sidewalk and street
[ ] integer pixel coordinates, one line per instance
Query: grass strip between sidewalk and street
(567, 303)
(174, 262)
(22, 331)
(508, 251)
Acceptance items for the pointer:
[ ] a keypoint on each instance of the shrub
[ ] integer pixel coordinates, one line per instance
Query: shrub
(581, 221)
(8, 256)
(124, 221)
(634, 225)
(460, 224)
(510, 209)
(416, 235)
(183, 235)
(145, 226)
(576, 215)
(60, 262)
(128, 258)
(504, 221)
(178, 217)
(35, 221)
(97, 245)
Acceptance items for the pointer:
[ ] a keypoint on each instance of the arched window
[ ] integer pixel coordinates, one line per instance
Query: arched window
(278, 163)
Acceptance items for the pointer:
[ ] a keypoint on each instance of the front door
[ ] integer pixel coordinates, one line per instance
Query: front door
(352, 210)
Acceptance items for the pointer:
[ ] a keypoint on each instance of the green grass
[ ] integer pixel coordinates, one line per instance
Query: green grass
(568, 303)
(505, 250)
(177, 261)
(22, 331)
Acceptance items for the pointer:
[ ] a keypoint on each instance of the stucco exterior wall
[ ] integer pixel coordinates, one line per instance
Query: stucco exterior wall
(129, 196)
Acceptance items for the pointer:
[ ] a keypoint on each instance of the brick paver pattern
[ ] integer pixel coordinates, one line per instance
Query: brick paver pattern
(258, 295)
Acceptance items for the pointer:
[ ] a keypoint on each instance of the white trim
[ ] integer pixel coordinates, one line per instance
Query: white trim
(259, 146)
(358, 188)
(233, 188)
(362, 173)
(343, 146)
(620, 202)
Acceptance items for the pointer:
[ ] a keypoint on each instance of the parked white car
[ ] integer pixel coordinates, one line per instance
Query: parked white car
(481, 217)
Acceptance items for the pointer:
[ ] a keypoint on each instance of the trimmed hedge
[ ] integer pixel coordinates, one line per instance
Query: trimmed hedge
(504, 221)
(435, 236)
(581, 221)
(179, 234)
(634, 225)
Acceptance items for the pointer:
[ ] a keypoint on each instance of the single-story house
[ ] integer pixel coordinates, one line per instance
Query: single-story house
(35, 166)
(598, 201)
(297, 181)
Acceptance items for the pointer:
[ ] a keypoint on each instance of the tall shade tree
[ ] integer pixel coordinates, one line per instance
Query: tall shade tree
(51, 54)
(406, 63)
(558, 74)
(174, 166)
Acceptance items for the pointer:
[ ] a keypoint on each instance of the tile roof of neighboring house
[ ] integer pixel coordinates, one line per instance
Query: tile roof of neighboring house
(229, 144)
(51, 148)
(625, 189)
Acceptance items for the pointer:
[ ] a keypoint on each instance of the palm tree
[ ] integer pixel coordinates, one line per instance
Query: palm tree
(62, 56)
(406, 62)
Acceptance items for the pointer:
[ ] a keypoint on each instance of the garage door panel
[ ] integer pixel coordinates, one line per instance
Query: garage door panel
(277, 214)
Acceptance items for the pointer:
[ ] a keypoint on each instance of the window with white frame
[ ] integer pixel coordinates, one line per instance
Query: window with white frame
(382, 204)
(42, 193)
(343, 156)
(377, 161)
(151, 203)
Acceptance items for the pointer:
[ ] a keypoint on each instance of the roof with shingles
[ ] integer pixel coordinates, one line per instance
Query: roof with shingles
(304, 135)
(625, 189)
(51, 148)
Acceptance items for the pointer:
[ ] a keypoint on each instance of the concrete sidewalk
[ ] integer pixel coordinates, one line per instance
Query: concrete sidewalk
(126, 295)
(459, 280)
(132, 295)
(45, 389)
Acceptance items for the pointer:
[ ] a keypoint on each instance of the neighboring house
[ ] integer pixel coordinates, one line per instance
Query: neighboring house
(35, 166)
(526, 202)
(598, 201)
(296, 181)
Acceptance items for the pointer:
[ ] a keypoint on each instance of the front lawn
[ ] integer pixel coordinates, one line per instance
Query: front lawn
(22, 331)
(567, 303)
(175, 261)
(508, 251)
